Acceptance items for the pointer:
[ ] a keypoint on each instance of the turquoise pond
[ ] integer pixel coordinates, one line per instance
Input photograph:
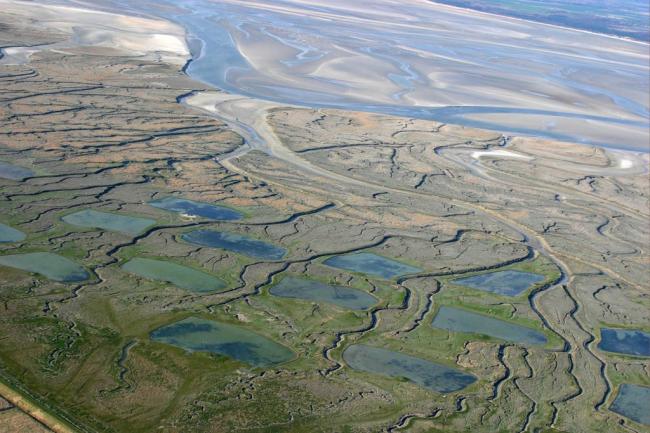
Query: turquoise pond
(178, 275)
(507, 283)
(310, 290)
(627, 341)
(371, 264)
(49, 265)
(458, 320)
(14, 172)
(633, 401)
(425, 373)
(109, 221)
(236, 243)
(200, 335)
(10, 234)
(196, 209)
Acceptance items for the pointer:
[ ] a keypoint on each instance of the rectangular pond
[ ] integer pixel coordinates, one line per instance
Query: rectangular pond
(196, 209)
(14, 172)
(626, 341)
(109, 221)
(507, 283)
(178, 275)
(425, 373)
(200, 335)
(310, 290)
(10, 234)
(52, 266)
(236, 243)
(633, 401)
(458, 320)
(371, 264)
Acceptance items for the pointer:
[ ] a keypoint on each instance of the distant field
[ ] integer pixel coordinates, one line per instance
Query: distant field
(627, 18)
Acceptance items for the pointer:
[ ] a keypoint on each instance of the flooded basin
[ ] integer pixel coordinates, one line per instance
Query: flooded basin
(633, 401)
(371, 264)
(14, 172)
(52, 266)
(196, 209)
(178, 275)
(300, 288)
(200, 335)
(425, 373)
(236, 243)
(508, 283)
(458, 320)
(10, 234)
(626, 341)
(108, 221)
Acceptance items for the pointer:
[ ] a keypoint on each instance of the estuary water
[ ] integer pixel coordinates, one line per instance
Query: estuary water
(421, 60)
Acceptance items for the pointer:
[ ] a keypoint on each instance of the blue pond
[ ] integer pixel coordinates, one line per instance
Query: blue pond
(50, 265)
(508, 283)
(300, 288)
(626, 341)
(14, 172)
(371, 264)
(236, 243)
(108, 221)
(633, 401)
(197, 209)
(10, 234)
(425, 373)
(457, 320)
(200, 335)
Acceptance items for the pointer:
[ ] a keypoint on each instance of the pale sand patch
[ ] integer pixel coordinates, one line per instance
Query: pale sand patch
(133, 36)
(625, 163)
(581, 158)
(499, 153)
(17, 55)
